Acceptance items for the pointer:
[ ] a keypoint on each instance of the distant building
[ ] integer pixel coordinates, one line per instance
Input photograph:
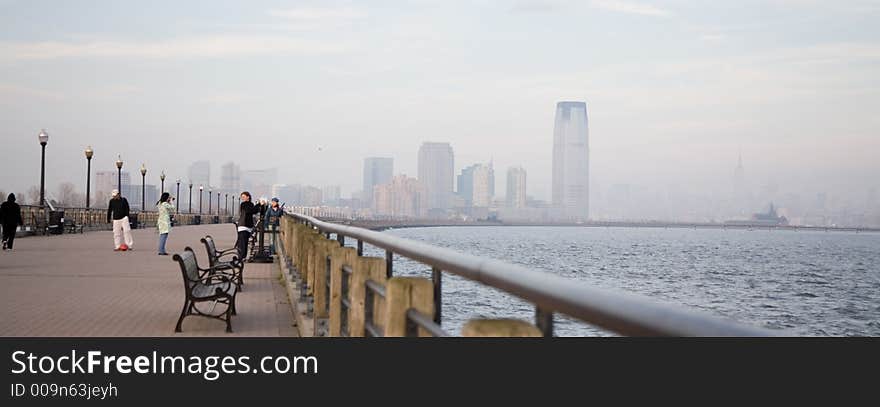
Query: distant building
(134, 197)
(106, 182)
(259, 182)
(290, 195)
(311, 196)
(377, 171)
(331, 195)
(571, 159)
(200, 173)
(437, 173)
(403, 197)
(476, 185)
(230, 178)
(516, 187)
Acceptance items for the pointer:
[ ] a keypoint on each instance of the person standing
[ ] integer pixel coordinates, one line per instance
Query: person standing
(272, 220)
(246, 212)
(163, 221)
(118, 212)
(10, 217)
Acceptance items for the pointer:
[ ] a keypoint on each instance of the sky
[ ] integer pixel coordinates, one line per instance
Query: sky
(675, 90)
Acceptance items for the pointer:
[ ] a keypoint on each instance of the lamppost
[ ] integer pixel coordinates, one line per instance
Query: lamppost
(190, 196)
(143, 187)
(44, 138)
(218, 203)
(201, 188)
(226, 205)
(119, 168)
(178, 195)
(162, 177)
(209, 200)
(89, 154)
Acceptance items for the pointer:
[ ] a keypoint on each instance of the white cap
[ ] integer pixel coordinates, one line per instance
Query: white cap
(115, 192)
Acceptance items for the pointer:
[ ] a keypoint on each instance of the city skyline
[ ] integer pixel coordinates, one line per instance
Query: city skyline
(676, 93)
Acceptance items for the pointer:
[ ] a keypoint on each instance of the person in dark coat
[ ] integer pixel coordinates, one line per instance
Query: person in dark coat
(246, 212)
(10, 217)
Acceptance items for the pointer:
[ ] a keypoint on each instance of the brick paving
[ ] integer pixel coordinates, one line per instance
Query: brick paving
(76, 285)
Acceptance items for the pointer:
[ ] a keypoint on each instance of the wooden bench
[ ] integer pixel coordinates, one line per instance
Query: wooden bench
(205, 285)
(216, 262)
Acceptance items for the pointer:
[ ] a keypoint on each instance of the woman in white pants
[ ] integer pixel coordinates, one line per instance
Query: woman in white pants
(118, 213)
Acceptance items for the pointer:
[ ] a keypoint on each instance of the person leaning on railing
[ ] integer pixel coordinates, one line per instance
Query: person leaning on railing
(272, 220)
(246, 212)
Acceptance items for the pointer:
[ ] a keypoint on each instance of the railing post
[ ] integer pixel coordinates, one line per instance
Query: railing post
(389, 263)
(363, 269)
(339, 256)
(401, 294)
(544, 321)
(437, 280)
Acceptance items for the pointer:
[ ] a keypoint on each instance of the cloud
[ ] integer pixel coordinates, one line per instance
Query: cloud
(192, 47)
(313, 14)
(630, 7)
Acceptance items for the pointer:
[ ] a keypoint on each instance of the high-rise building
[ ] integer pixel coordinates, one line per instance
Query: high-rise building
(571, 161)
(134, 197)
(476, 185)
(106, 182)
(377, 171)
(230, 178)
(403, 197)
(437, 173)
(288, 194)
(311, 196)
(259, 182)
(516, 187)
(200, 173)
(331, 194)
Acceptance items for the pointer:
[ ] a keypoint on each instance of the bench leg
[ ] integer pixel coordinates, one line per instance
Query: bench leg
(187, 306)
(229, 319)
(232, 304)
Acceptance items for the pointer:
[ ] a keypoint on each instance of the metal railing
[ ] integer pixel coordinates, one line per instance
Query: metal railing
(38, 220)
(620, 312)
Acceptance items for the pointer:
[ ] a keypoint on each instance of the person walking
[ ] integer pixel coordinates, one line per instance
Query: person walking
(163, 220)
(118, 212)
(10, 218)
(246, 212)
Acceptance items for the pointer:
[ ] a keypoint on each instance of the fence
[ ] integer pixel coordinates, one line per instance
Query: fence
(39, 220)
(348, 294)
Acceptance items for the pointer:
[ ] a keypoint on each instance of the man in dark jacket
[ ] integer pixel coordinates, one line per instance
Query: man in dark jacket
(118, 212)
(10, 217)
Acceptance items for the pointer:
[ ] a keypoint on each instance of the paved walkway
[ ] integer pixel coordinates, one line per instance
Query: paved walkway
(76, 285)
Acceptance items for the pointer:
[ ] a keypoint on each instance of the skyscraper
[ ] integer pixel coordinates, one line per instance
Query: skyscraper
(571, 159)
(437, 173)
(403, 197)
(106, 182)
(516, 187)
(200, 173)
(377, 171)
(230, 178)
(476, 185)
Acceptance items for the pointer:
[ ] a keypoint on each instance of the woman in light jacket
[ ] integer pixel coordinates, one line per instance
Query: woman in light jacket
(163, 221)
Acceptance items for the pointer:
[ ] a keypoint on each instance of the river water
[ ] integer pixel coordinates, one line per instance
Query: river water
(809, 283)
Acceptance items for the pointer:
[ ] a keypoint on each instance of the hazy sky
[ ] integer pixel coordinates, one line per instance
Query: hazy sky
(674, 89)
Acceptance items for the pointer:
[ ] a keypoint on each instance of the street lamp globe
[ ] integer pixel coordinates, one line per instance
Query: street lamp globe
(89, 153)
(43, 136)
(162, 176)
(143, 169)
(201, 188)
(119, 162)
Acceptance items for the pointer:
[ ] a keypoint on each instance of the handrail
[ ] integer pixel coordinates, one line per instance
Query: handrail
(617, 311)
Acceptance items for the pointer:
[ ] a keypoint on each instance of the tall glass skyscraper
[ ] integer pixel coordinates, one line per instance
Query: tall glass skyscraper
(571, 161)
(377, 171)
(436, 173)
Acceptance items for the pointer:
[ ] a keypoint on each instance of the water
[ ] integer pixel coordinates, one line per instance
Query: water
(809, 283)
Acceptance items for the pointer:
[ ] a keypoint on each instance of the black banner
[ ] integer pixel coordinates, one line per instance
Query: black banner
(242, 370)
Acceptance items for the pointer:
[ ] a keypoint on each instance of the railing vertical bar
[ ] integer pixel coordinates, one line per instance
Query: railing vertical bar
(389, 263)
(360, 248)
(437, 279)
(544, 321)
